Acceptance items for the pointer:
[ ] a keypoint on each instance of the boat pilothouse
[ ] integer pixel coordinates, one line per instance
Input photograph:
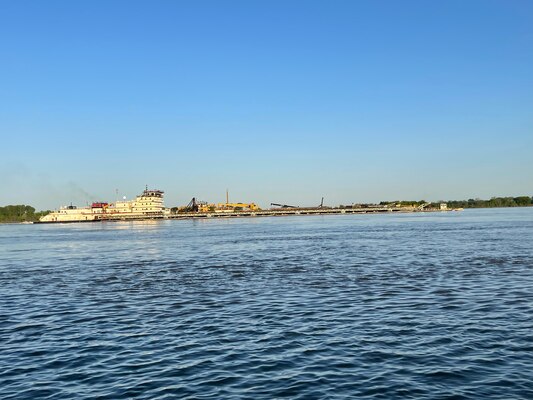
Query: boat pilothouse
(152, 193)
(149, 204)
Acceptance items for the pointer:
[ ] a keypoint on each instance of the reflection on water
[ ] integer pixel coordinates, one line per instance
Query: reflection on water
(430, 306)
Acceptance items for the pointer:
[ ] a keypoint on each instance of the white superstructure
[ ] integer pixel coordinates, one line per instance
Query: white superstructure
(149, 204)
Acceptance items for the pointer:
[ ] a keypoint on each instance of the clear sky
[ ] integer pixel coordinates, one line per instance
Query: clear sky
(279, 101)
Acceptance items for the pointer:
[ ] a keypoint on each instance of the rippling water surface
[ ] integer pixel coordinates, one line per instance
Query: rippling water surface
(432, 305)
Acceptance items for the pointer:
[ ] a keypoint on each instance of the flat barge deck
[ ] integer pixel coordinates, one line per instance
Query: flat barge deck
(301, 211)
(260, 213)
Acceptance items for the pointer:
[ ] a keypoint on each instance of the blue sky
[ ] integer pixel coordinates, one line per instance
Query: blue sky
(279, 101)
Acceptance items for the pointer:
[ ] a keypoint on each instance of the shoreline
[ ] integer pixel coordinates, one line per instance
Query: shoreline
(264, 213)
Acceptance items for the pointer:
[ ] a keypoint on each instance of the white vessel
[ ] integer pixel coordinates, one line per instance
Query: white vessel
(148, 205)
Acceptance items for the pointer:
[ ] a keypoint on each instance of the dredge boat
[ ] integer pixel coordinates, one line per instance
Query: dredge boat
(148, 205)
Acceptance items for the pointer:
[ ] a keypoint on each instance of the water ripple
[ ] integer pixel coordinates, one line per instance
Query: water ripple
(376, 307)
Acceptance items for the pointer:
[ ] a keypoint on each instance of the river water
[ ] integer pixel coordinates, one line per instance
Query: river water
(425, 306)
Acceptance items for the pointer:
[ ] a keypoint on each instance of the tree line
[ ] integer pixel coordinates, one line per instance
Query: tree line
(20, 213)
(520, 201)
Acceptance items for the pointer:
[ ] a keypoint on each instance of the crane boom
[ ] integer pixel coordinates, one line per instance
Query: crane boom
(283, 205)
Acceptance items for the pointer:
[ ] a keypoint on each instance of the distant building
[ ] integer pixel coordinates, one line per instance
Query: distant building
(443, 206)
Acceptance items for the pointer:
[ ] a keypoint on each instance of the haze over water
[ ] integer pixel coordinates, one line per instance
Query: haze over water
(429, 305)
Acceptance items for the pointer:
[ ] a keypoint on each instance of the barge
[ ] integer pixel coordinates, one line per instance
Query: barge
(149, 205)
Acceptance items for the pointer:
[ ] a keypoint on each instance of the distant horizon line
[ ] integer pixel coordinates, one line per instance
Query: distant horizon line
(476, 199)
